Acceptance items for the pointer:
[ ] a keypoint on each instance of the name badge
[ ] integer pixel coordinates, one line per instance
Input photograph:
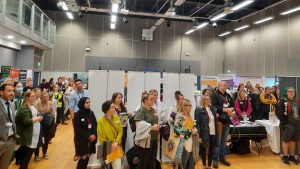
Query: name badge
(225, 105)
(10, 129)
(82, 119)
(90, 126)
(9, 124)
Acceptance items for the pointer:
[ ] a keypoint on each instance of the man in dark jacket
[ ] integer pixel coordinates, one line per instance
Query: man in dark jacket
(223, 102)
(289, 114)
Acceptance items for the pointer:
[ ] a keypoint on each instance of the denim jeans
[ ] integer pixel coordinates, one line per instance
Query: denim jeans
(187, 161)
(219, 152)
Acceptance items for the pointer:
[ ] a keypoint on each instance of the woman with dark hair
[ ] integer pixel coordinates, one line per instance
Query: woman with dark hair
(206, 92)
(240, 88)
(85, 133)
(176, 107)
(110, 129)
(28, 128)
(122, 111)
(276, 92)
(147, 116)
(51, 84)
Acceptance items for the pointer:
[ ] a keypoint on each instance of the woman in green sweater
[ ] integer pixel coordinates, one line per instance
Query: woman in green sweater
(28, 128)
(109, 129)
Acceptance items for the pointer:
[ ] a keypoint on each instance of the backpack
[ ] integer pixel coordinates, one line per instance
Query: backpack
(132, 123)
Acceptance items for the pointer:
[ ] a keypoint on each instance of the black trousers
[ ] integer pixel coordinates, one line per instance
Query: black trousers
(60, 115)
(44, 148)
(147, 156)
(23, 154)
(82, 163)
(124, 137)
(212, 145)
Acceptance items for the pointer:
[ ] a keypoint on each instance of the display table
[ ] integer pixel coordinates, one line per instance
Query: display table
(273, 131)
(252, 131)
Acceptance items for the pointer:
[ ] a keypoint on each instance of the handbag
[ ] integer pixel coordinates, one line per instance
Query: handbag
(164, 131)
(172, 146)
(118, 153)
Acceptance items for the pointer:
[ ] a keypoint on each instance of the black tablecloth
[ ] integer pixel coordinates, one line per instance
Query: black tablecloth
(255, 133)
(240, 137)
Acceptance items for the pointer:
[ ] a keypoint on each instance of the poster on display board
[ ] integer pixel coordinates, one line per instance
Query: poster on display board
(15, 74)
(5, 70)
(209, 83)
(229, 83)
(23, 76)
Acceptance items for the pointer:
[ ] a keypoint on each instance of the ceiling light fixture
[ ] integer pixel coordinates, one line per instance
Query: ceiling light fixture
(189, 32)
(179, 2)
(63, 5)
(112, 26)
(113, 18)
(219, 16)
(115, 8)
(290, 11)
(241, 28)
(70, 15)
(10, 37)
(202, 25)
(225, 33)
(23, 42)
(263, 20)
(241, 5)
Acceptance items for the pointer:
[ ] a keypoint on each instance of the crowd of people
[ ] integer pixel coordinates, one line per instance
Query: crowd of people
(29, 117)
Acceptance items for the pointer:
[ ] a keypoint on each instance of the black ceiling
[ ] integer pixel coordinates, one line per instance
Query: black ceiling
(189, 7)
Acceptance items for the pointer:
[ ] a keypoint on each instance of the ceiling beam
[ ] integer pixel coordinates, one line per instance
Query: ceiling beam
(141, 14)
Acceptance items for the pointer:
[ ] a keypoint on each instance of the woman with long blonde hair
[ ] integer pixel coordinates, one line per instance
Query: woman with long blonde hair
(28, 128)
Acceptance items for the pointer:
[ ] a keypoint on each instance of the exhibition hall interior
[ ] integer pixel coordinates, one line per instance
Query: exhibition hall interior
(149, 84)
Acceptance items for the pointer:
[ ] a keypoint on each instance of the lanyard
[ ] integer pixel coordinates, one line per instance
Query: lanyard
(79, 95)
(225, 99)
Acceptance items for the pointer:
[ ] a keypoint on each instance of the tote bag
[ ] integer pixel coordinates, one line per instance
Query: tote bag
(172, 146)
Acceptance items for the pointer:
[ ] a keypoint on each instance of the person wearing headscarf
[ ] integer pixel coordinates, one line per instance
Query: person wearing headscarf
(85, 133)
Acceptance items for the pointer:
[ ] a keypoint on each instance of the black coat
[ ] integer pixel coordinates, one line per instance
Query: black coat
(202, 122)
(217, 101)
(82, 133)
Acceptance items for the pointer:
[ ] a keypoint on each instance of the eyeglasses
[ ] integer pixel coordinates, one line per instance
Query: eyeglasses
(207, 99)
(291, 91)
(188, 105)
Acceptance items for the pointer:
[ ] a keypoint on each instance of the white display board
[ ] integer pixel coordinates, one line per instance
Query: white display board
(136, 86)
(170, 85)
(187, 87)
(97, 95)
(152, 81)
(115, 83)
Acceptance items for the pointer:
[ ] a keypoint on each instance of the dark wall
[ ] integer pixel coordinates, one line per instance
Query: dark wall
(139, 64)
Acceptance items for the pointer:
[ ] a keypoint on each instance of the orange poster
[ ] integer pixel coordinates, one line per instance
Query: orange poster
(15, 73)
